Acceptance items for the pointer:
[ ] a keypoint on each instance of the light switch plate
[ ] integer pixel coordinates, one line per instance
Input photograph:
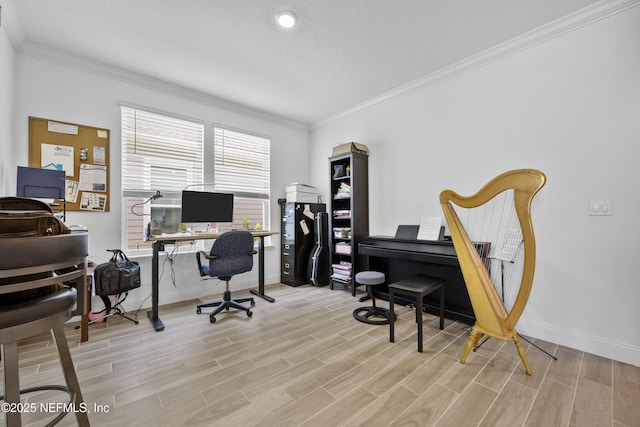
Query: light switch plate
(600, 208)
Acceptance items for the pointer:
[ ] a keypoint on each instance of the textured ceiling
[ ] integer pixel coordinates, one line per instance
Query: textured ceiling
(342, 53)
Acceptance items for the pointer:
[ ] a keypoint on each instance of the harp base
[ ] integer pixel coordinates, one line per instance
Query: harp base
(474, 338)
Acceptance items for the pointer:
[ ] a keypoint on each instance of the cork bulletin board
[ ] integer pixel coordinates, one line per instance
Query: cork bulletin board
(82, 152)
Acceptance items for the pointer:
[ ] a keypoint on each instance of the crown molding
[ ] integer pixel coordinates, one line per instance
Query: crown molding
(115, 73)
(590, 14)
(12, 25)
(596, 12)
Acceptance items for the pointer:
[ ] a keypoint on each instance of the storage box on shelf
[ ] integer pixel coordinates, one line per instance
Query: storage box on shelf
(342, 232)
(301, 193)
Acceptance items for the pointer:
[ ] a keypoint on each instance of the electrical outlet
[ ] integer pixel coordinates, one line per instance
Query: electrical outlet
(600, 208)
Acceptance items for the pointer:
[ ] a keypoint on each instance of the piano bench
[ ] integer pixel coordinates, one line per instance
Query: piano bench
(417, 287)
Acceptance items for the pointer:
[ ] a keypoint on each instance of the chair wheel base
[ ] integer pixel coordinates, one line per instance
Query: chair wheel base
(372, 315)
(225, 304)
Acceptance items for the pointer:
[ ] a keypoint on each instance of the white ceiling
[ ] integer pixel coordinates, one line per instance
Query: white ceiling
(342, 53)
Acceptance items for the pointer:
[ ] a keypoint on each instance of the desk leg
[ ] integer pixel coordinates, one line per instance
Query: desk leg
(153, 314)
(260, 291)
(84, 328)
(86, 303)
(84, 319)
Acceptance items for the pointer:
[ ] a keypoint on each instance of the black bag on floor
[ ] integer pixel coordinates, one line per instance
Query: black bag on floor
(117, 276)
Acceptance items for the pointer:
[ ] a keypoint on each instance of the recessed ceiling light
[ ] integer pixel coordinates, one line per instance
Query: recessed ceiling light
(286, 19)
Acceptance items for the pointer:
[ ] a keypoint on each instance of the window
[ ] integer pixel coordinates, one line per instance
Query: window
(159, 153)
(241, 166)
(166, 154)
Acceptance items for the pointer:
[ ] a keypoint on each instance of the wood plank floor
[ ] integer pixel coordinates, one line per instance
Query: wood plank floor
(304, 361)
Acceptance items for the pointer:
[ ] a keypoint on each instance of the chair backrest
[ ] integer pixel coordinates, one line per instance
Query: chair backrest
(29, 271)
(234, 252)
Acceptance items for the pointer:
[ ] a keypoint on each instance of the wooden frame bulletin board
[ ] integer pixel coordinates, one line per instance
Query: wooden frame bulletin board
(82, 152)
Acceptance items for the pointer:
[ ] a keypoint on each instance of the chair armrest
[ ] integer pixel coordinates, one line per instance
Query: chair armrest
(202, 273)
(207, 256)
(200, 254)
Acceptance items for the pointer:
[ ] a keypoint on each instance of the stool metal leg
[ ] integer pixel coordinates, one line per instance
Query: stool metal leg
(419, 320)
(70, 373)
(441, 306)
(392, 317)
(11, 382)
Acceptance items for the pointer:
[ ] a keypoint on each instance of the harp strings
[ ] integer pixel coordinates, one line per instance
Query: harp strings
(496, 224)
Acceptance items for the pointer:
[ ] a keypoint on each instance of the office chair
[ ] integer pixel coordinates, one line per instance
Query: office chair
(231, 254)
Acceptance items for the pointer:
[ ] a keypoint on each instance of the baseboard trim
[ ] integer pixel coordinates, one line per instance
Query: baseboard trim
(595, 345)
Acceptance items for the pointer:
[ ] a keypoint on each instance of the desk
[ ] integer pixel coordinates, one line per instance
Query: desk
(163, 239)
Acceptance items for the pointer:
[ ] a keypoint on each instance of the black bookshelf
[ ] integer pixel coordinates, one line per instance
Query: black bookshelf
(349, 216)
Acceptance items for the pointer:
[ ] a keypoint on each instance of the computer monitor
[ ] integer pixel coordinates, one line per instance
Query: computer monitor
(40, 183)
(206, 207)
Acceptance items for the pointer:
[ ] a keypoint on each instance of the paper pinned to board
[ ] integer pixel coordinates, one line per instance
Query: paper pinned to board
(71, 192)
(58, 157)
(93, 202)
(93, 178)
(62, 128)
(99, 155)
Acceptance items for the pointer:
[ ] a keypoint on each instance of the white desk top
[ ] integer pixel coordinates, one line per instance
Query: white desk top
(202, 236)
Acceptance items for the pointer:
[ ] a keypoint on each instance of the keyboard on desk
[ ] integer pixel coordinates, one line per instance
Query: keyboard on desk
(176, 234)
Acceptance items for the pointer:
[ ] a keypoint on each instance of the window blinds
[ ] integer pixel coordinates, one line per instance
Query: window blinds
(241, 163)
(159, 153)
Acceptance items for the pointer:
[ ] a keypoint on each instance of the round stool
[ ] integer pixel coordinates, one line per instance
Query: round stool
(371, 314)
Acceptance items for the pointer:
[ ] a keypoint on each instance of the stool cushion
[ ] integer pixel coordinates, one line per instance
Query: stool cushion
(37, 308)
(370, 278)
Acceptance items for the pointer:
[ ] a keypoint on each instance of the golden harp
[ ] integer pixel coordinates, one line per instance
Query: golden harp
(492, 318)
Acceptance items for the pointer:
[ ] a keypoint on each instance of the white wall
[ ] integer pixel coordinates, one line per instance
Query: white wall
(7, 96)
(59, 92)
(569, 106)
